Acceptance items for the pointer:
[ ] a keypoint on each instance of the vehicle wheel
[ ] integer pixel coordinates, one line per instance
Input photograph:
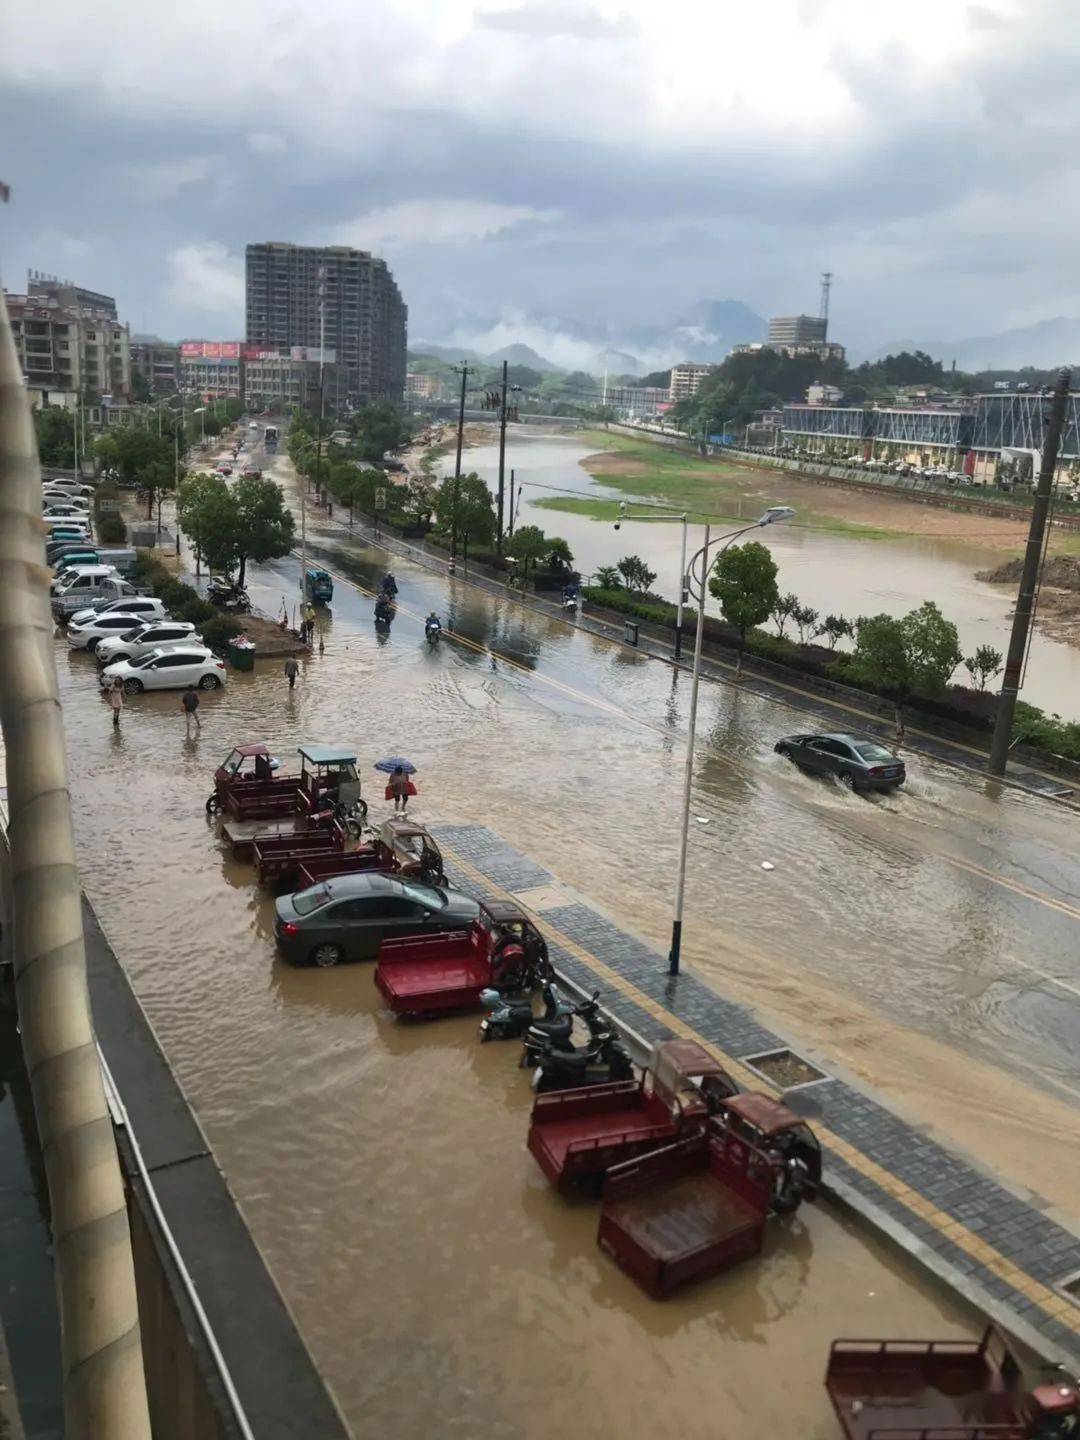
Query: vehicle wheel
(324, 956)
(212, 805)
(354, 829)
(133, 686)
(784, 751)
(92, 644)
(209, 682)
(848, 781)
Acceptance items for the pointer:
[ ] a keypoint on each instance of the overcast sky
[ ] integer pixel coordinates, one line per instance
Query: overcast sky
(555, 162)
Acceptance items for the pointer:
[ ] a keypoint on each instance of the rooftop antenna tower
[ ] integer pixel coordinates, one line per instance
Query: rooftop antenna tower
(826, 286)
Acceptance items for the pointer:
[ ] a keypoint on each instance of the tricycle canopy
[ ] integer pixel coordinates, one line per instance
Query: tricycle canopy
(686, 1077)
(336, 757)
(772, 1127)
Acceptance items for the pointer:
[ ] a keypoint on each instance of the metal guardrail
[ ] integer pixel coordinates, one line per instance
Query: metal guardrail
(122, 1121)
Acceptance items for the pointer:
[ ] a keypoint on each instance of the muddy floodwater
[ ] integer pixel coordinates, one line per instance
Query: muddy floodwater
(444, 1289)
(926, 943)
(838, 574)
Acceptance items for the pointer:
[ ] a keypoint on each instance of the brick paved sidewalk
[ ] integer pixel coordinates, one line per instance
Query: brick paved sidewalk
(1002, 1250)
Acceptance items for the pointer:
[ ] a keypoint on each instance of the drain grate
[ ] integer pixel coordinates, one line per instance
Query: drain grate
(784, 1069)
(1070, 1287)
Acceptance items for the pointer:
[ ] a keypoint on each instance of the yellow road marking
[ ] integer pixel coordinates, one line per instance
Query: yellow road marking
(993, 1260)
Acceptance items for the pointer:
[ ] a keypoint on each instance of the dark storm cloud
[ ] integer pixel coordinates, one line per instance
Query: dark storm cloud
(918, 188)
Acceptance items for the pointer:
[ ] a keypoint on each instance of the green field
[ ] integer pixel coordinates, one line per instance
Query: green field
(707, 490)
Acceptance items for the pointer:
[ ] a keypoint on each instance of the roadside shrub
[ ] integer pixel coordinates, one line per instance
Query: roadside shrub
(111, 530)
(219, 630)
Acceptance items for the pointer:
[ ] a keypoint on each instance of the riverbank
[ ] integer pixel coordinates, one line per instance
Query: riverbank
(714, 489)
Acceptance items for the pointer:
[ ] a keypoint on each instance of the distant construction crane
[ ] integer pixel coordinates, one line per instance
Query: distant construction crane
(826, 286)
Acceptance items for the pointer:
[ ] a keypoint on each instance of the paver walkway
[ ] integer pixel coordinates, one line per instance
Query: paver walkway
(1001, 1249)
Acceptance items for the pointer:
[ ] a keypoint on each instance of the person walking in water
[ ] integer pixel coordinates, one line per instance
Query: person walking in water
(190, 701)
(400, 788)
(292, 669)
(115, 697)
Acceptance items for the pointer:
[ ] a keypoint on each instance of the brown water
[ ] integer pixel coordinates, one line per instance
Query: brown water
(444, 1289)
(838, 574)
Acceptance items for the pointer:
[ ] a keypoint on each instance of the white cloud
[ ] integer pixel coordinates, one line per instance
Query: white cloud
(164, 179)
(265, 143)
(435, 222)
(550, 18)
(207, 277)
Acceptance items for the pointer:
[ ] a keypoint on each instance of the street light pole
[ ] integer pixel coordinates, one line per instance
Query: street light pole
(463, 371)
(771, 516)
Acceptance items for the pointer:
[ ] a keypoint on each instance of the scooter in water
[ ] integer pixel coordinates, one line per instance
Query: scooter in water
(543, 1033)
(432, 629)
(384, 611)
(509, 1019)
(598, 1063)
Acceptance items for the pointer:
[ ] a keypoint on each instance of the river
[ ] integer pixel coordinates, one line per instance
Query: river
(839, 574)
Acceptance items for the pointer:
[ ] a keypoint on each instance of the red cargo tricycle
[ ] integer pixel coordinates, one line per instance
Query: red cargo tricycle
(432, 974)
(399, 848)
(689, 1210)
(576, 1136)
(944, 1390)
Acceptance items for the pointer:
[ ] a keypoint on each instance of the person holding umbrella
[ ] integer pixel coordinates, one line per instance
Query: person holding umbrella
(399, 787)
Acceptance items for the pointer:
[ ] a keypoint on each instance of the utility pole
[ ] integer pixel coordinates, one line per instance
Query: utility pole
(510, 525)
(1029, 578)
(463, 371)
(502, 460)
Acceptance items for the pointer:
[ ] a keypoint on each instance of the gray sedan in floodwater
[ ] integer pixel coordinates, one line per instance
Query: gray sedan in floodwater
(860, 764)
(349, 916)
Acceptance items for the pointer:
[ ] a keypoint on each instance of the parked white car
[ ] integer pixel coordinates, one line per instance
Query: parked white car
(90, 634)
(72, 509)
(146, 607)
(134, 643)
(167, 670)
(67, 487)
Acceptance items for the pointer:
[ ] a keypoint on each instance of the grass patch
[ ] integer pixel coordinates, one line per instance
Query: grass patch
(708, 491)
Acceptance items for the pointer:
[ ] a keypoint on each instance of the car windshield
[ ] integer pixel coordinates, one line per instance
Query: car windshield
(425, 895)
(131, 634)
(142, 664)
(870, 750)
(308, 900)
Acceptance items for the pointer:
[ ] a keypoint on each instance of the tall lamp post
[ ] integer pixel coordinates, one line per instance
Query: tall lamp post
(697, 584)
(665, 517)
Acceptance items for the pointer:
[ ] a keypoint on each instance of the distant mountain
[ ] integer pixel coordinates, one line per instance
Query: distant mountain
(442, 352)
(1046, 343)
(520, 355)
(705, 331)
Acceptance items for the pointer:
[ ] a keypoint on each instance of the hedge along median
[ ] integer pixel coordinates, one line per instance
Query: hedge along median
(185, 603)
(961, 713)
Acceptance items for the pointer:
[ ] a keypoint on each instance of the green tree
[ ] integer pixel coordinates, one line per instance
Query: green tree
(636, 573)
(464, 509)
(835, 628)
(527, 544)
(900, 657)
(983, 666)
(208, 514)
(559, 555)
(743, 579)
(608, 578)
(379, 428)
(54, 429)
(265, 527)
(783, 611)
(806, 618)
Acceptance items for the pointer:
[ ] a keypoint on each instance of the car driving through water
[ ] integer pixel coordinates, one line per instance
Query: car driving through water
(859, 763)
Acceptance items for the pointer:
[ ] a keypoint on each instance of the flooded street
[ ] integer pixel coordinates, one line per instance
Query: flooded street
(926, 943)
(838, 574)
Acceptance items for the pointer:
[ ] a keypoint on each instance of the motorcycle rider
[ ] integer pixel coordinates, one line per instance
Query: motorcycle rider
(384, 611)
(389, 584)
(432, 625)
